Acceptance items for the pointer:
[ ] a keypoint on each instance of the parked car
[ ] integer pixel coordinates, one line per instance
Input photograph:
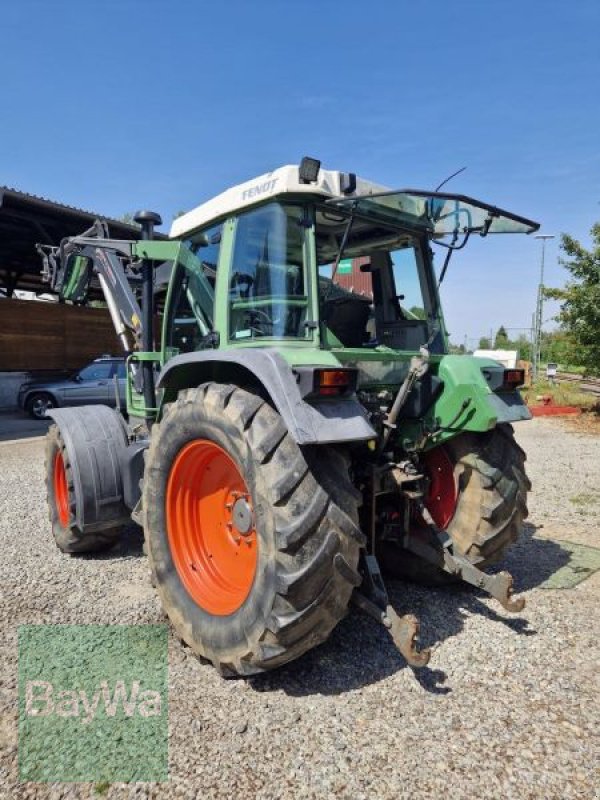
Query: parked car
(93, 384)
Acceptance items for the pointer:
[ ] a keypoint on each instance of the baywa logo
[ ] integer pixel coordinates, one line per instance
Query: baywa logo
(93, 703)
(42, 700)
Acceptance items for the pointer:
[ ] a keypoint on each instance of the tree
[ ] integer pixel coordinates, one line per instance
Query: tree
(128, 219)
(456, 349)
(418, 312)
(523, 345)
(484, 343)
(580, 299)
(501, 342)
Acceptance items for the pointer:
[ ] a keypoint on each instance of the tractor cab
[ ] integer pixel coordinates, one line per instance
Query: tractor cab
(326, 259)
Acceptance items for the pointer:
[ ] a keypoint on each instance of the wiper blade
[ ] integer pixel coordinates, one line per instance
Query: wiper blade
(340, 252)
(343, 244)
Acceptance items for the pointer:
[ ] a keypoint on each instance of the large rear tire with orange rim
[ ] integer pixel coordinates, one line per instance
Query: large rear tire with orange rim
(478, 493)
(252, 551)
(61, 503)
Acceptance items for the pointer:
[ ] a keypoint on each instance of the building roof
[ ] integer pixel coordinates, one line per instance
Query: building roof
(27, 219)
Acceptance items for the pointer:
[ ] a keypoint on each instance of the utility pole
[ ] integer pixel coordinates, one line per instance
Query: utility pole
(537, 328)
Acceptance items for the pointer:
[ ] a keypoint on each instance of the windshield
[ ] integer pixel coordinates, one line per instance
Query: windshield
(440, 214)
(382, 292)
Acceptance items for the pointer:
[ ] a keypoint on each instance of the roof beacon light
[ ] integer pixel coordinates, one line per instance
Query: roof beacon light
(347, 182)
(309, 170)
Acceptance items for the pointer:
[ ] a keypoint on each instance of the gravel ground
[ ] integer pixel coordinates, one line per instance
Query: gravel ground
(507, 707)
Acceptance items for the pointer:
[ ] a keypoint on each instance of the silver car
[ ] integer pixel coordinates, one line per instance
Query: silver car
(93, 384)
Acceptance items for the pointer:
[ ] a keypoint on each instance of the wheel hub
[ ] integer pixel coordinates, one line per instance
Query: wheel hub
(243, 521)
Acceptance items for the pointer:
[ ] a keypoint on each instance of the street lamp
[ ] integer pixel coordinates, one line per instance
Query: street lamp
(537, 328)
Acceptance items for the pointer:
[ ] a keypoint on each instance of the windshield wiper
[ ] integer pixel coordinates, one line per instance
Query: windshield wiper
(343, 244)
(340, 252)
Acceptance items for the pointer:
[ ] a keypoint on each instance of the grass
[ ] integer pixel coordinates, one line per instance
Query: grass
(585, 499)
(564, 367)
(101, 788)
(563, 394)
(586, 504)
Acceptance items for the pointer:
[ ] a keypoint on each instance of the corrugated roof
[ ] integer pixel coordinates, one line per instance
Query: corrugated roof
(45, 201)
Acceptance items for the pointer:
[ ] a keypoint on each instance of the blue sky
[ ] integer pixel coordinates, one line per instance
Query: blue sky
(117, 105)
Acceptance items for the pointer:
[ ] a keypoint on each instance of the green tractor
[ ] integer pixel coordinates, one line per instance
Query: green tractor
(300, 425)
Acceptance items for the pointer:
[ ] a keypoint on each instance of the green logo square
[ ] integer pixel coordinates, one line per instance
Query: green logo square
(93, 703)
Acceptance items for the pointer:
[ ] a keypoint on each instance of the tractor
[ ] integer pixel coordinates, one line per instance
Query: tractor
(296, 428)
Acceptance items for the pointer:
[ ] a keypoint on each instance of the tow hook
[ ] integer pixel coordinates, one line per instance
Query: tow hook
(373, 600)
(439, 551)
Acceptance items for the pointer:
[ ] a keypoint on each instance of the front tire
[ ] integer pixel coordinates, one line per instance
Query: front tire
(299, 547)
(489, 503)
(60, 495)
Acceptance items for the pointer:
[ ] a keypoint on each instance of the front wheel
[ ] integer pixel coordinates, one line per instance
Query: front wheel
(478, 493)
(39, 404)
(60, 493)
(253, 554)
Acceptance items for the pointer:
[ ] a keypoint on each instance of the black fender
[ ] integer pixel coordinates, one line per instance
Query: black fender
(316, 422)
(96, 442)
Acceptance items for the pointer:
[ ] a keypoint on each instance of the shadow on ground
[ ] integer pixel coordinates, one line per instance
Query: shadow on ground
(360, 651)
(15, 425)
(130, 545)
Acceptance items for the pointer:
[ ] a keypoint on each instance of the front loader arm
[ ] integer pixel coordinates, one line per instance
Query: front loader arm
(69, 269)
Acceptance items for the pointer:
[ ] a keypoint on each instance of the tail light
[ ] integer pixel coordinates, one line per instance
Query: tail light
(513, 378)
(334, 382)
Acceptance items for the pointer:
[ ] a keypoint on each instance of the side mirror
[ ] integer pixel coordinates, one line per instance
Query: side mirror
(77, 378)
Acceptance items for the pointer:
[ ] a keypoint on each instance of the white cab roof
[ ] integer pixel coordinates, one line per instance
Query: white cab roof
(284, 180)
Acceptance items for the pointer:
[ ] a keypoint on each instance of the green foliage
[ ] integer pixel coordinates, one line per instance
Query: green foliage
(501, 341)
(523, 345)
(456, 349)
(484, 343)
(128, 219)
(562, 394)
(418, 312)
(580, 299)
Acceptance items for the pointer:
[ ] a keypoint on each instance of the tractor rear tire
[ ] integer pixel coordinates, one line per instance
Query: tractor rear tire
(61, 503)
(491, 504)
(254, 552)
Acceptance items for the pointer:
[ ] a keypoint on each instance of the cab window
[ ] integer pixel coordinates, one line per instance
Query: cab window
(192, 298)
(267, 289)
(206, 247)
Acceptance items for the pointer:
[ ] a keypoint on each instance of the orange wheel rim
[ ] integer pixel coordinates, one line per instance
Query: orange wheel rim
(442, 495)
(61, 491)
(211, 528)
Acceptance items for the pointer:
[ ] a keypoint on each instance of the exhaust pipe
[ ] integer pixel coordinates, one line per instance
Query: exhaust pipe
(147, 220)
